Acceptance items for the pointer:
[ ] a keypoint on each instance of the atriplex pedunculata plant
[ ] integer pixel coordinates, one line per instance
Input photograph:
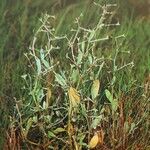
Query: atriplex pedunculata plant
(65, 94)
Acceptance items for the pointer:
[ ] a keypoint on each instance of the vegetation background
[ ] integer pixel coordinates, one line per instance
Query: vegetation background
(19, 21)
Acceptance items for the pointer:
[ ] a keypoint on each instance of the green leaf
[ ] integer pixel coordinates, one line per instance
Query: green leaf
(59, 130)
(39, 94)
(38, 64)
(46, 64)
(79, 58)
(114, 104)
(113, 80)
(44, 105)
(60, 79)
(29, 124)
(42, 54)
(96, 122)
(35, 119)
(132, 127)
(51, 134)
(75, 76)
(83, 110)
(80, 138)
(109, 96)
(90, 59)
(100, 68)
(83, 46)
(91, 35)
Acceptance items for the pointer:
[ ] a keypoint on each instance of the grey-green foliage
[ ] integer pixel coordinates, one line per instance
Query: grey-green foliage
(84, 67)
(89, 60)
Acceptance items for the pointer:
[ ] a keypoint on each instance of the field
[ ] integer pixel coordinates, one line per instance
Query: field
(74, 75)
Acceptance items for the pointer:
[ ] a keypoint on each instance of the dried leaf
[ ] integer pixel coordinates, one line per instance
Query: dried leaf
(94, 141)
(74, 96)
(71, 129)
(95, 89)
(101, 137)
(48, 97)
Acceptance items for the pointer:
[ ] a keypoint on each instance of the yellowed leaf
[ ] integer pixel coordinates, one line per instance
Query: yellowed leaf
(95, 88)
(94, 141)
(74, 96)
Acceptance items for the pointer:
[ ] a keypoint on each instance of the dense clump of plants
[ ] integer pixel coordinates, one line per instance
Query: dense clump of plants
(83, 99)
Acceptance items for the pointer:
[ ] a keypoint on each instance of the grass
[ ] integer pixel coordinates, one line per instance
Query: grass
(64, 100)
